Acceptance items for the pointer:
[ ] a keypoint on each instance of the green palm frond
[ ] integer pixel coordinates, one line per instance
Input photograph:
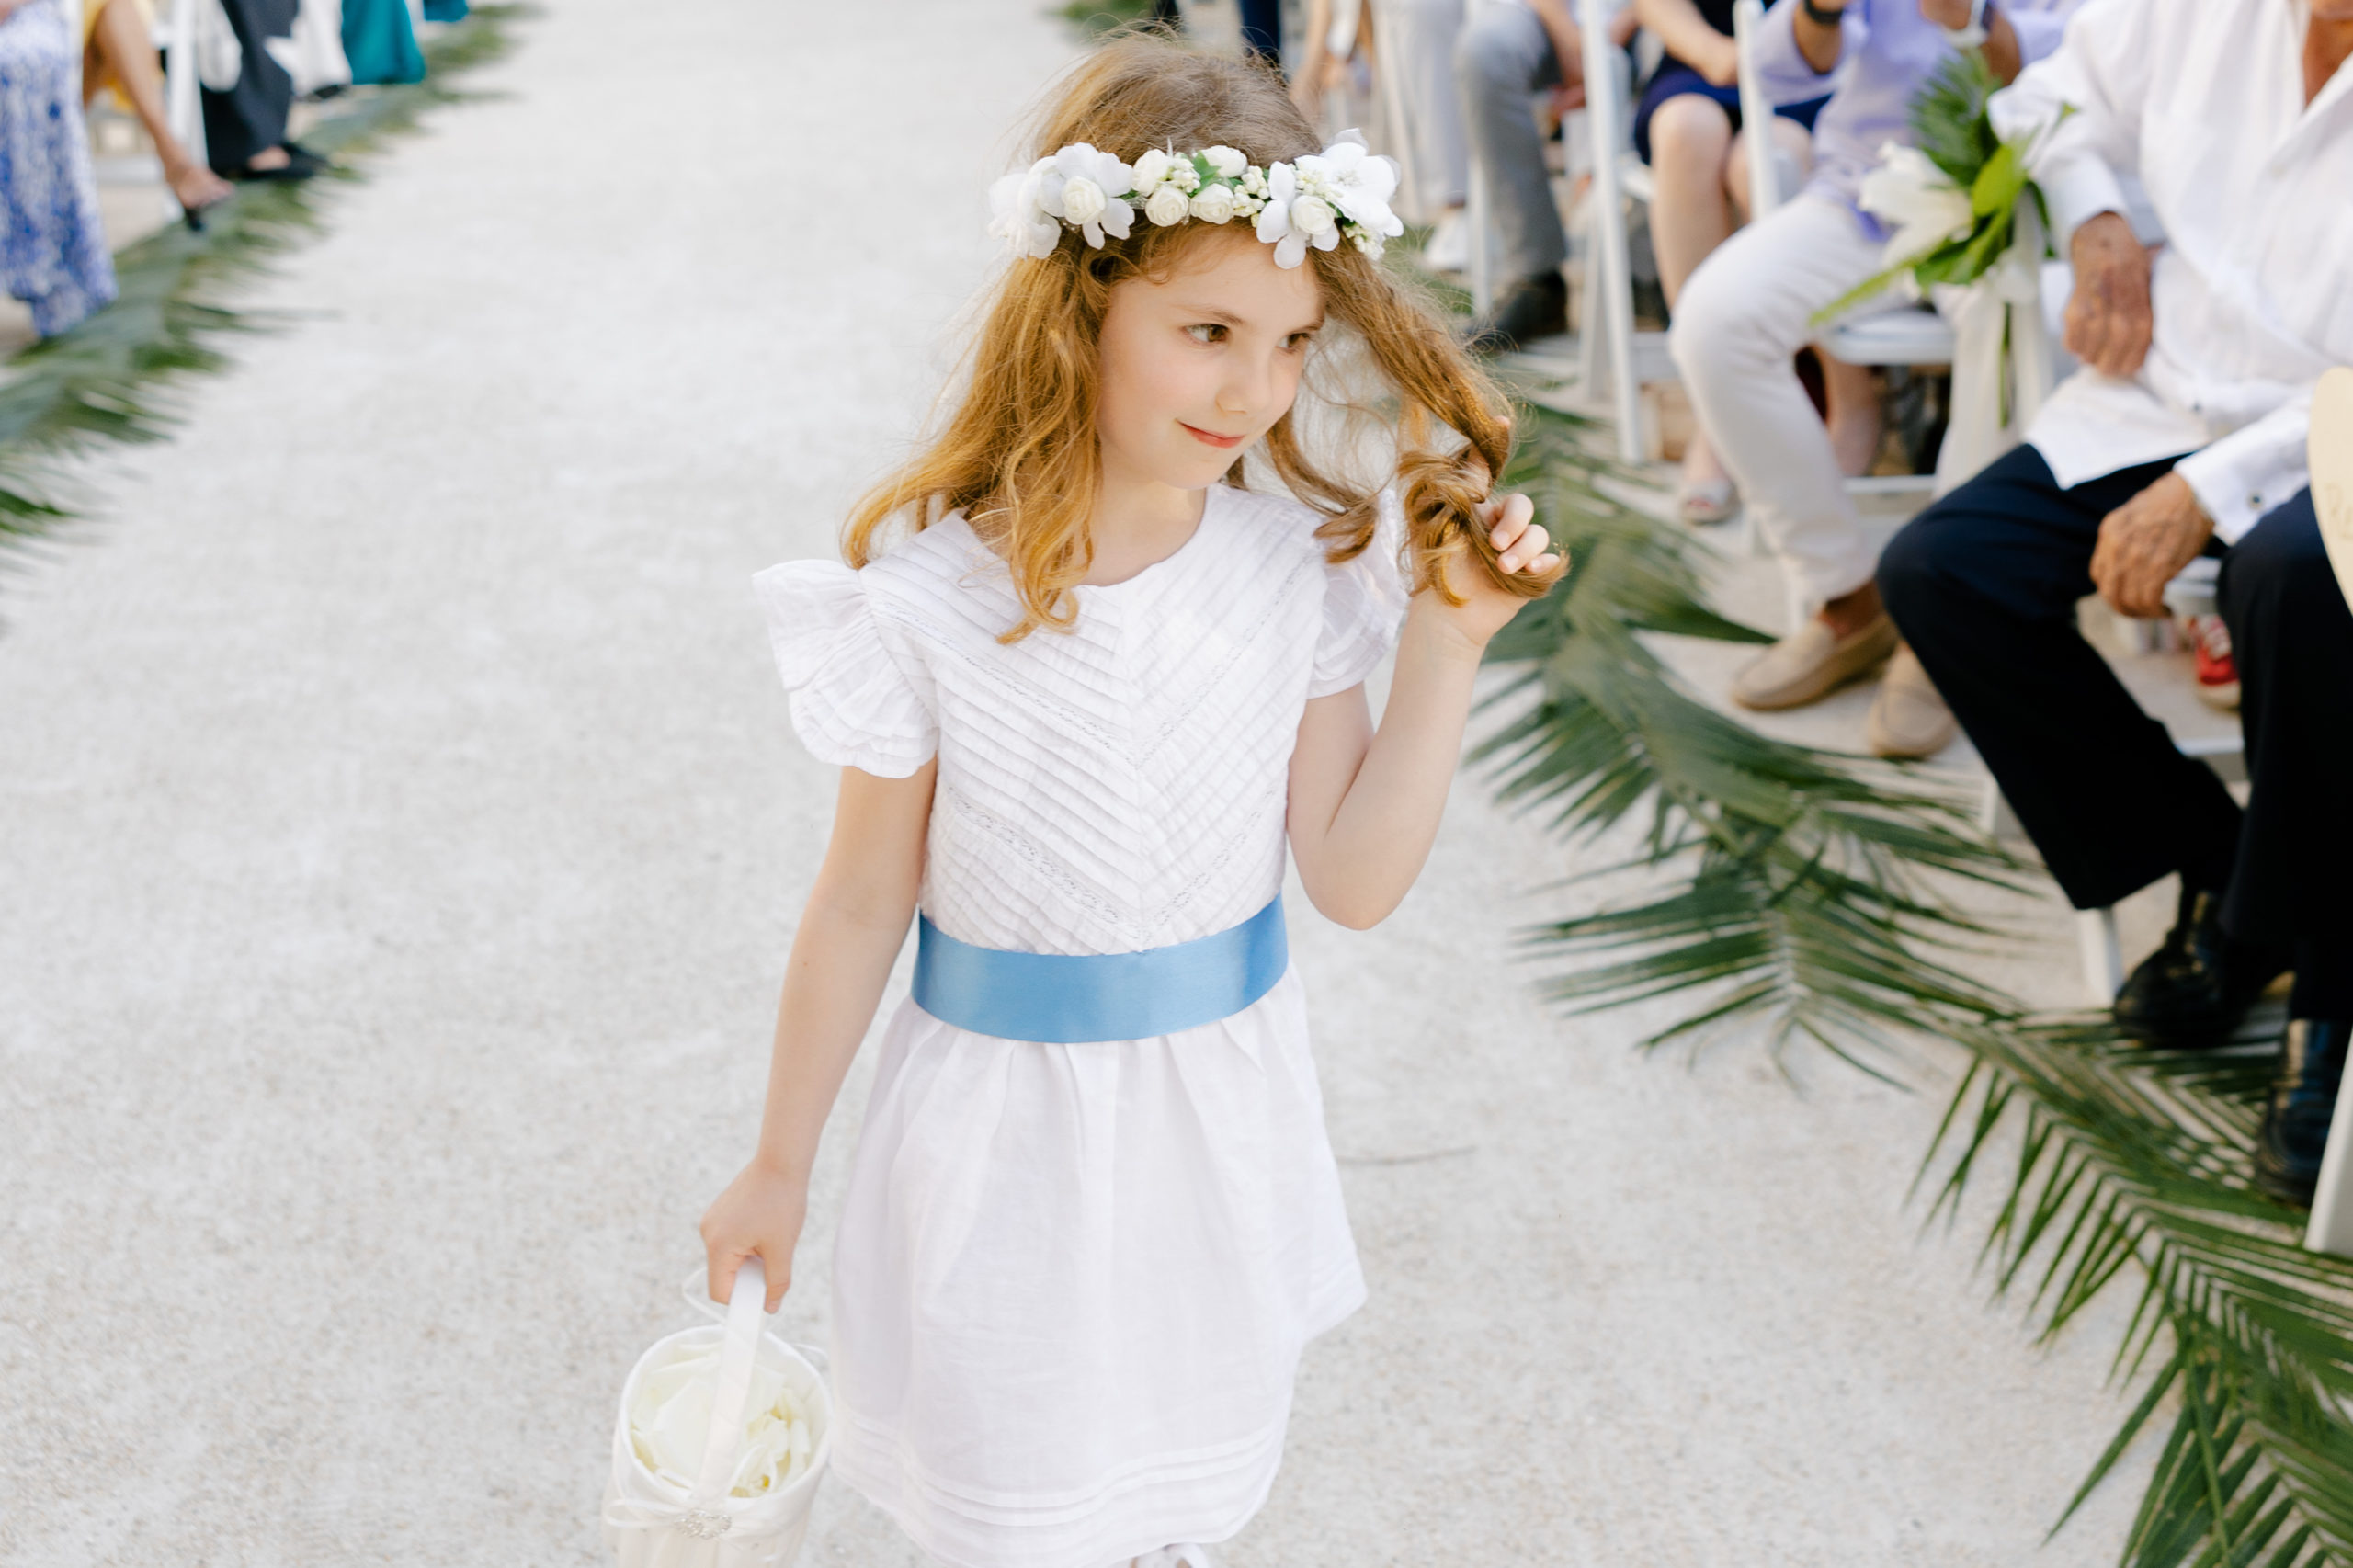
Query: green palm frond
(1813, 892)
(1949, 120)
(108, 380)
(1811, 895)
(2128, 1163)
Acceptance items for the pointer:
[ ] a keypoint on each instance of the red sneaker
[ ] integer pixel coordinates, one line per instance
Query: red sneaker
(2218, 674)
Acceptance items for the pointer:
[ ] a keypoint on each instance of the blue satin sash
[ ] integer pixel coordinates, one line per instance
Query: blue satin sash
(1073, 998)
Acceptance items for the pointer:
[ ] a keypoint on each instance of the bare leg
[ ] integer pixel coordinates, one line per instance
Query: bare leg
(1789, 139)
(1690, 138)
(1854, 437)
(120, 49)
(1854, 413)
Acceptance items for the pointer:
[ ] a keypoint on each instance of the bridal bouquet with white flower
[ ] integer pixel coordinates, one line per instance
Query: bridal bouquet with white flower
(1340, 193)
(1951, 201)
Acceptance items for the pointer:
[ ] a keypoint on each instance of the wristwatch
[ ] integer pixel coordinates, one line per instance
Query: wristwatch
(1974, 34)
(1820, 17)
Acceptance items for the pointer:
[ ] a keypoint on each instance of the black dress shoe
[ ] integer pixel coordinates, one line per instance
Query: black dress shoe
(2303, 1103)
(1535, 307)
(281, 173)
(2195, 989)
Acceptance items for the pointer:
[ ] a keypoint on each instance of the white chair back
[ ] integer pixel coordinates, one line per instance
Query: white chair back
(182, 94)
(1608, 307)
(1766, 176)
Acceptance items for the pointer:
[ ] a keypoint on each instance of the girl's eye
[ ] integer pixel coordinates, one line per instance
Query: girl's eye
(1206, 332)
(1298, 341)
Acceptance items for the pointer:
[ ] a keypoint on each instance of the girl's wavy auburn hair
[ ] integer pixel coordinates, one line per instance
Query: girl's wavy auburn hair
(1019, 456)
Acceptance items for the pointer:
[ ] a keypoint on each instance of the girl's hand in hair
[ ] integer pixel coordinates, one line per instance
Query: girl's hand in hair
(1521, 549)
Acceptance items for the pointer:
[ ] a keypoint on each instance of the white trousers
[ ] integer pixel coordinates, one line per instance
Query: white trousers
(1741, 319)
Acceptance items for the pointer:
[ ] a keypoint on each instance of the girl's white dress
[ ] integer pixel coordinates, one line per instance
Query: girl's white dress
(1072, 1281)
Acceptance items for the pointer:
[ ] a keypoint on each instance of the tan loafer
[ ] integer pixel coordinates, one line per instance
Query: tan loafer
(1812, 662)
(1909, 718)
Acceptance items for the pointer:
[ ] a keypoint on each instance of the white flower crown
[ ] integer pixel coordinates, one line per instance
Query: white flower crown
(1342, 191)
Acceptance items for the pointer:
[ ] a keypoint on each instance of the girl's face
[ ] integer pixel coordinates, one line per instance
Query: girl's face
(1197, 367)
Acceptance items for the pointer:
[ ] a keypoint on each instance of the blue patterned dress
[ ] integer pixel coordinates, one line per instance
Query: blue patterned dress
(53, 251)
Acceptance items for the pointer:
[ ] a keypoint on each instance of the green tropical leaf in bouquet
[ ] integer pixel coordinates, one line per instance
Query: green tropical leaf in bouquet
(1949, 120)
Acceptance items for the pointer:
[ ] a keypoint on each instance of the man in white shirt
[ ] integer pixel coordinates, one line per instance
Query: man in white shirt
(2183, 432)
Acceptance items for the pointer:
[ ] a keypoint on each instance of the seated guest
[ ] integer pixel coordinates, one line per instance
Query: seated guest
(1750, 307)
(53, 251)
(1506, 55)
(1686, 127)
(2184, 431)
(119, 50)
(244, 125)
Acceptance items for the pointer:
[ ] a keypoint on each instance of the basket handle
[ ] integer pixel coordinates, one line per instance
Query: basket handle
(736, 1354)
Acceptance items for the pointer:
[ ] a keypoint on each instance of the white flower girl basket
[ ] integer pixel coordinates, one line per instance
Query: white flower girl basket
(655, 1520)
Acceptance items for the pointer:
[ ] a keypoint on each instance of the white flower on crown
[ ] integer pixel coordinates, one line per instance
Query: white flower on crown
(1293, 219)
(1151, 168)
(1214, 205)
(1078, 185)
(1359, 183)
(1341, 192)
(1168, 205)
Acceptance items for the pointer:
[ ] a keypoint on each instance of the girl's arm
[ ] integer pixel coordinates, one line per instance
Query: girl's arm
(1365, 802)
(851, 934)
(1689, 38)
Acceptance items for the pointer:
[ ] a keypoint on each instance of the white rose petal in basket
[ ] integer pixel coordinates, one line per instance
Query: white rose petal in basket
(718, 1445)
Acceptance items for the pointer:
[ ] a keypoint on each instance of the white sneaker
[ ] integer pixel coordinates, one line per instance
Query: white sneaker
(1178, 1557)
(1449, 246)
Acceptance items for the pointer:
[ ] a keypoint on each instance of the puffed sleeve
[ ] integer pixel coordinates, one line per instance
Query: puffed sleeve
(1364, 604)
(854, 702)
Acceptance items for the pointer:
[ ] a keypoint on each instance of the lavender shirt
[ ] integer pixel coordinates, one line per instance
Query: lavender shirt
(1889, 54)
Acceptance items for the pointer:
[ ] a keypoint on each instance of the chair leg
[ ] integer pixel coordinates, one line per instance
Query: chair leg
(2331, 1227)
(1592, 320)
(2103, 958)
(1478, 215)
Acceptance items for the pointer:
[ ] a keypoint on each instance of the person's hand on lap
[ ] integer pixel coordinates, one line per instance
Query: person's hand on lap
(2109, 318)
(2145, 543)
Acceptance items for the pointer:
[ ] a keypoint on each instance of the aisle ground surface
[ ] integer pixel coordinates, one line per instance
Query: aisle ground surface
(403, 835)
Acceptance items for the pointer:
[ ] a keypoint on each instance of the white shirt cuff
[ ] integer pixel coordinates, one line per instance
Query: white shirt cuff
(2237, 496)
(2079, 189)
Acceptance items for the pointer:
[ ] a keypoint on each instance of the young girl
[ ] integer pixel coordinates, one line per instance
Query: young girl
(1093, 1215)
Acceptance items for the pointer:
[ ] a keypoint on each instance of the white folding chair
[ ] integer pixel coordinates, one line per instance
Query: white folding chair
(183, 93)
(1608, 349)
(1771, 179)
(2190, 592)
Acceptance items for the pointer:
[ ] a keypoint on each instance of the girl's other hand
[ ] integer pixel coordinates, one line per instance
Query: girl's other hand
(761, 1212)
(1521, 547)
